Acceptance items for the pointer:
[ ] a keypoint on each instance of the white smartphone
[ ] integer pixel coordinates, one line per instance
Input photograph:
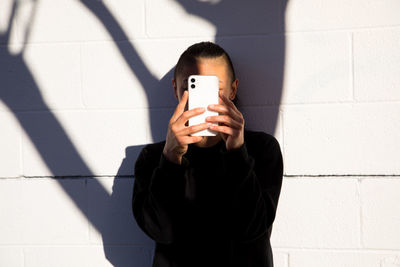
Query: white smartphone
(203, 91)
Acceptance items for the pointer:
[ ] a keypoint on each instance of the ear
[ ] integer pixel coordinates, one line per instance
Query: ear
(175, 88)
(234, 88)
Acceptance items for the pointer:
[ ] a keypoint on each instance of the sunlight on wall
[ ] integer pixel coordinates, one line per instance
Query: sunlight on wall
(5, 13)
(166, 12)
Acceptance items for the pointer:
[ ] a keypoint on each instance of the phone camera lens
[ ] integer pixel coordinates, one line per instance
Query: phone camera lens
(193, 86)
(192, 80)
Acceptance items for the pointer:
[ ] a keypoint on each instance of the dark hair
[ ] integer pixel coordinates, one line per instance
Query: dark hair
(203, 50)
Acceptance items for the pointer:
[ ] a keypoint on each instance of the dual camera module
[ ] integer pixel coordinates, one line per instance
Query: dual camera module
(192, 81)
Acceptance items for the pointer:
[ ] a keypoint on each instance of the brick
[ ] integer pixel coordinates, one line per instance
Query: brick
(159, 119)
(65, 21)
(12, 217)
(11, 256)
(345, 258)
(129, 15)
(110, 211)
(87, 256)
(259, 67)
(376, 65)
(141, 78)
(129, 255)
(44, 204)
(380, 213)
(342, 14)
(296, 68)
(212, 18)
(10, 146)
(56, 71)
(342, 139)
(47, 77)
(81, 142)
(316, 68)
(280, 259)
(266, 119)
(317, 213)
(5, 13)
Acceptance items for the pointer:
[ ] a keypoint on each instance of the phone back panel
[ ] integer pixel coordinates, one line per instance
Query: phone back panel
(203, 91)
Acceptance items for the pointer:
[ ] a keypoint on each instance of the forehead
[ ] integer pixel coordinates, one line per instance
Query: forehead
(205, 66)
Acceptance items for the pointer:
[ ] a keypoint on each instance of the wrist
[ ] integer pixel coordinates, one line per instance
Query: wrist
(172, 157)
(234, 146)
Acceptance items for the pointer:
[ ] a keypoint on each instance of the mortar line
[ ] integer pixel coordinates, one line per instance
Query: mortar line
(82, 98)
(360, 213)
(23, 257)
(352, 66)
(119, 109)
(75, 245)
(357, 250)
(360, 176)
(342, 175)
(146, 34)
(21, 150)
(178, 37)
(89, 234)
(283, 136)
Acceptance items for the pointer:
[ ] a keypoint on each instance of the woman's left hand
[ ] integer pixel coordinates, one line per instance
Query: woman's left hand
(231, 122)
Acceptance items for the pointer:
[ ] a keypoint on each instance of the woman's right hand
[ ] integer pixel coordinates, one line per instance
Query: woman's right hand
(178, 135)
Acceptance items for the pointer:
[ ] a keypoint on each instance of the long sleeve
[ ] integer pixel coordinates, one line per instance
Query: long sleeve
(255, 183)
(157, 194)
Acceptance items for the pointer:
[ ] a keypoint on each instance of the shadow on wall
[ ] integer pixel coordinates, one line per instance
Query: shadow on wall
(252, 35)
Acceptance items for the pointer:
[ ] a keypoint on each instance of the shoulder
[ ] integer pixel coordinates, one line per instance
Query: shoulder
(258, 139)
(150, 154)
(155, 148)
(263, 147)
(267, 155)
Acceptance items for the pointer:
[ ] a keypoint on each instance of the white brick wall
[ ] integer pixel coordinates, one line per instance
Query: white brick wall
(84, 85)
(318, 213)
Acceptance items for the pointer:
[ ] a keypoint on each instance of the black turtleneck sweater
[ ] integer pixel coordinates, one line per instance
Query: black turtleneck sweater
(216, 208)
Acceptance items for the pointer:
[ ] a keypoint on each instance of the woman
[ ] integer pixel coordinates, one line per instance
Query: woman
(209, 200)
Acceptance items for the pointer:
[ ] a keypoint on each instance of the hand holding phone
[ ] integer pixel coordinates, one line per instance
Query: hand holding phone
(178, 135)
(203, 91)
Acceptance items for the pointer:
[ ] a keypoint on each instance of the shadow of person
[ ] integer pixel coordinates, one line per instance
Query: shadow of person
(125, 244)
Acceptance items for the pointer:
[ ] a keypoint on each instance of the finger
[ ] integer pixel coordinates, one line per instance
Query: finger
(180, 107)
(236, 113)
(194, 129)
(218, 108)
(182, 122)
(227, 101)
(192, 139)
(222, 129)
(190, 113)
(225, 119)
(222, 109)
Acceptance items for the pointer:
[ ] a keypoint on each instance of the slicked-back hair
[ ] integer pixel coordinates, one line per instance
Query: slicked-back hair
(203, 50)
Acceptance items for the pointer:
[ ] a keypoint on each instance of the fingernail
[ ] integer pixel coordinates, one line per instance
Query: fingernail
(211, 105)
